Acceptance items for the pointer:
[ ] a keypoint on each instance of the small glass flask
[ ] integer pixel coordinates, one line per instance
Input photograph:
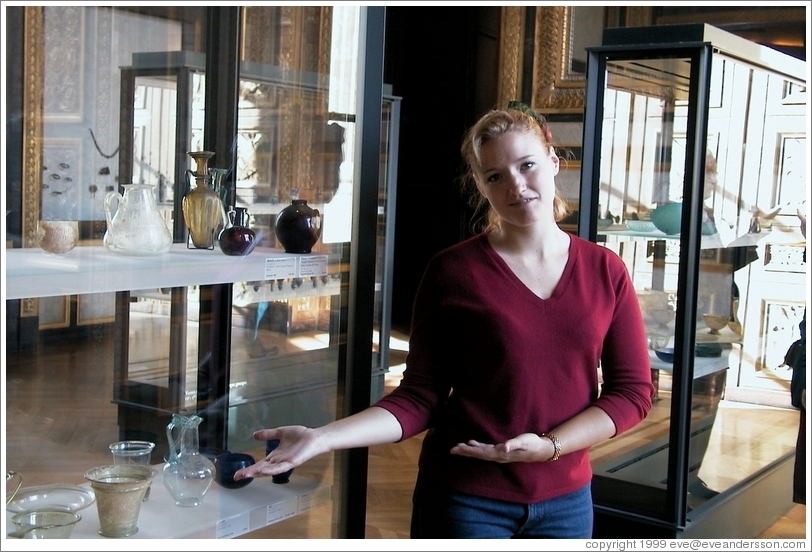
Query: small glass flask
(238, 239)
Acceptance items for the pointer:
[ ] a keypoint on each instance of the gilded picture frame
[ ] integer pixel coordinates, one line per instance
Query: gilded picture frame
(32, 137)
(557, 86)
(32, 124)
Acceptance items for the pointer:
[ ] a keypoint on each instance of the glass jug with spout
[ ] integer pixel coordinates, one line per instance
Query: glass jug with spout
(187, 474)
(134, 223)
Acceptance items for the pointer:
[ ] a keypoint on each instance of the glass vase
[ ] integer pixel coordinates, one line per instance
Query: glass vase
(298, 227)
(203, 210)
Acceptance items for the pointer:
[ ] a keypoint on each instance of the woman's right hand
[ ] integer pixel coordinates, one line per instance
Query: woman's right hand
(297, 444)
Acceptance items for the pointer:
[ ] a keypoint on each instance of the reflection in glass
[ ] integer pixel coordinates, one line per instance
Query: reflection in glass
(642, 169)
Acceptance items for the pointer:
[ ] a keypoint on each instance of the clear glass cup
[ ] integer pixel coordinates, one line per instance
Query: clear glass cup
(132, 452)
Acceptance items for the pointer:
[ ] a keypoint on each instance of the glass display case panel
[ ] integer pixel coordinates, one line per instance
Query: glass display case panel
(82, 55)
(685, 219)
(384, 260)
(162, 107)
(297, 140)
(281, 318)
(171, 386)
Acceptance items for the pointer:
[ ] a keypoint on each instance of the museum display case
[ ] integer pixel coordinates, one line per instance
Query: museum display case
(291, 110)
(692, 172)
(278, 106)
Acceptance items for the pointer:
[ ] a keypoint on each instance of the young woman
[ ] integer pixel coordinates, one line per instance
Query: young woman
(527, 347)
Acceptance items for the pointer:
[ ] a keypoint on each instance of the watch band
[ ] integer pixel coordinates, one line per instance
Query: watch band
(556, 445)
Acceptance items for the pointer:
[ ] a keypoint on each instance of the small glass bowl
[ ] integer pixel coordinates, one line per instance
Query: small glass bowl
(227, 465)
(49, 524)
(715, 322)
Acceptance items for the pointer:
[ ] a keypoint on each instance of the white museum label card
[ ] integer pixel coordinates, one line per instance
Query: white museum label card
(281, 510)
(312, 265)
(233, 526)
(277, 268)
(306, 501)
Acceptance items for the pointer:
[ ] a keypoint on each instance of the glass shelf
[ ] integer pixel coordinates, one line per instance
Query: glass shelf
(713, 241)
(93, 269)
(223, 513)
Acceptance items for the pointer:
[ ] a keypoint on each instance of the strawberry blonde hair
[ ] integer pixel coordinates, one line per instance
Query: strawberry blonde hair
(498, 122)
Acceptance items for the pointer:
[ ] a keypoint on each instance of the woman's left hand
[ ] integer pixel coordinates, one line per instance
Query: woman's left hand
(527, 447)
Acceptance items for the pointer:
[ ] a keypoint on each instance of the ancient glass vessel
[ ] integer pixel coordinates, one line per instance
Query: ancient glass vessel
(298, 227)
(238, 238)
(134, 224)
(187, 474)
(203, 209)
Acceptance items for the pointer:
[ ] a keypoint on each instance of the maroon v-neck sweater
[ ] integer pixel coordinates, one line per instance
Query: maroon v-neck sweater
(488, 360)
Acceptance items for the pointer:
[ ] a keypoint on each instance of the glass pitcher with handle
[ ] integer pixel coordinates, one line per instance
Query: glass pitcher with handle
(135, 226)
(187, 474)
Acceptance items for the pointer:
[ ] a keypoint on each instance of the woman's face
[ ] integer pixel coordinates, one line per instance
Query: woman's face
(517, 177)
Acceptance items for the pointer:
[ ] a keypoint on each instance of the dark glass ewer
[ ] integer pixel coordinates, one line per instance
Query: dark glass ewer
(298, 227)
(238, 239)
(283, 477)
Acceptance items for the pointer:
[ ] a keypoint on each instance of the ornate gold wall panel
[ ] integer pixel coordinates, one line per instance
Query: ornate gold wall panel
(305, 49)
(639, 16)
(551, 45)
(510, 54)
(32, 136)
(32, 122)
(259, 40)
(556, 88)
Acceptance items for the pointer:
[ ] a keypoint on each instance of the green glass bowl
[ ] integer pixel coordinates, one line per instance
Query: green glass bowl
(668, 218)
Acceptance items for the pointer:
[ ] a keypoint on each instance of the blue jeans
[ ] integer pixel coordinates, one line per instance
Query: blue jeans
(439, 512)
